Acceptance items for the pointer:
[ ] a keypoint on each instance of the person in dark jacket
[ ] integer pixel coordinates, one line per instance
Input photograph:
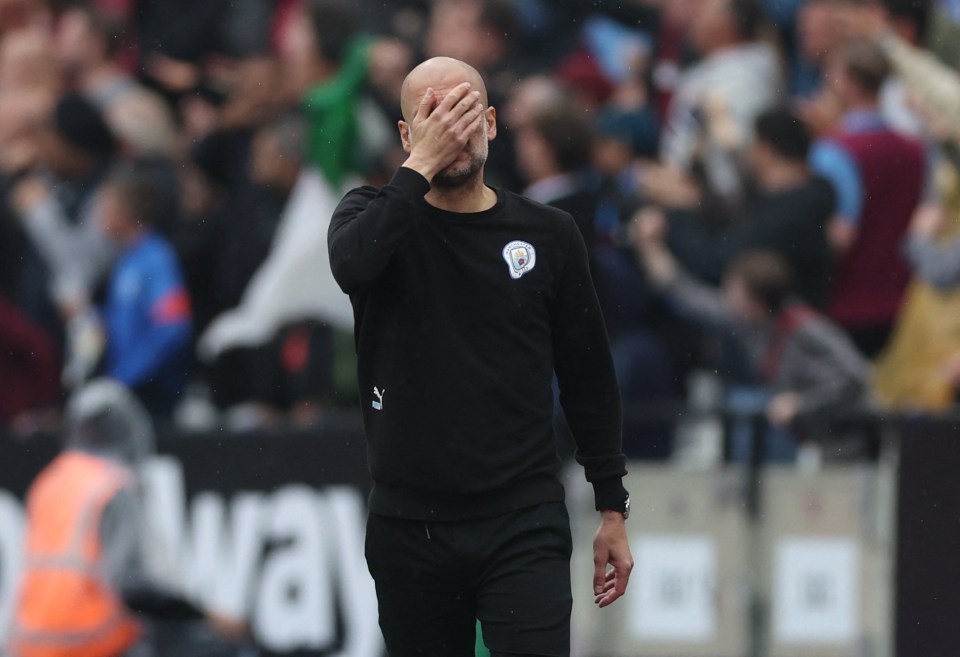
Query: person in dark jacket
(808, 363)
(467, 299)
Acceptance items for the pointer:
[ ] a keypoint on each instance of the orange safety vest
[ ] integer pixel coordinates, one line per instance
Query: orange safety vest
(66, 609)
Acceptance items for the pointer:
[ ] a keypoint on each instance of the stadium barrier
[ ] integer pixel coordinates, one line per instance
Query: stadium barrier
(735, 561)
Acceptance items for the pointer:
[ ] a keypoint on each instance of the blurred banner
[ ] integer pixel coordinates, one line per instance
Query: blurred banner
(248, 529)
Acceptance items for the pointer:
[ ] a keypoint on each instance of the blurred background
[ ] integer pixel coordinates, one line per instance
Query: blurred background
(770, 194)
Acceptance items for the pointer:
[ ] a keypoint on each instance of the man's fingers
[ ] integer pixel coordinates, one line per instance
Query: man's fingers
(465, 106)
(622, 571)
(614, 585)
(469, 118)
(608, 598)
(608, 585)
(470, 128)
(426, 104)
(599, 576)
(455, 96)
(608, 594)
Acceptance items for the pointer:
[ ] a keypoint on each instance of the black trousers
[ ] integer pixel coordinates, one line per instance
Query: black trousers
(434, 580)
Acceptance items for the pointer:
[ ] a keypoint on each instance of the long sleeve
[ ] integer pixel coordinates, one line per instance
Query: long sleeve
(76, 254)
(120, 537)
(701, 302)
(146, 331)
(368, 225)
(931, 83)
(589, 393)
(159, 343)
(123, 565)
(824, 368)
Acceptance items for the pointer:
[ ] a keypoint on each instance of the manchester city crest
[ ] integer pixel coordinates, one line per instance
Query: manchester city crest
(520, 258)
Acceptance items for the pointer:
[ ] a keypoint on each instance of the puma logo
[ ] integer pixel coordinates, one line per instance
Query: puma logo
(378, 402)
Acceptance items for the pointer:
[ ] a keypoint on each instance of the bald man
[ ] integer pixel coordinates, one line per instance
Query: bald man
(467, 300)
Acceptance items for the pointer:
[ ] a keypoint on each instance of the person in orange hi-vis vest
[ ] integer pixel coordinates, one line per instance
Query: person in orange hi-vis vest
(84, 568)
(76, 550)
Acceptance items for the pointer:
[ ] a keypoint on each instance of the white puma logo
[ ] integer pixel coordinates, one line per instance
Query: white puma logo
(378, 402)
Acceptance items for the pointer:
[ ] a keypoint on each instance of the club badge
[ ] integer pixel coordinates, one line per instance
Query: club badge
(520, 258)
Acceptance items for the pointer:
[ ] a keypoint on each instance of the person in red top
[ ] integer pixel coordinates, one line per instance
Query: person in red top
(878, 176)
(29, 367)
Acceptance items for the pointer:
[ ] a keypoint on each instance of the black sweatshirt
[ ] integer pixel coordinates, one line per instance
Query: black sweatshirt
(460, 321)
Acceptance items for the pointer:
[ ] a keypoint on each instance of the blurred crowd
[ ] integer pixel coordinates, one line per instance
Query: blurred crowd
(770, 192)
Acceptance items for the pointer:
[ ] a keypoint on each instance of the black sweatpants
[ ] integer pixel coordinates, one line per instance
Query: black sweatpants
(435, 579)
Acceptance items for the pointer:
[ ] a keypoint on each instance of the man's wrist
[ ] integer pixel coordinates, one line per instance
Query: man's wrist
(611, 516)
(421, 167)
(610, 495)
(410, 182)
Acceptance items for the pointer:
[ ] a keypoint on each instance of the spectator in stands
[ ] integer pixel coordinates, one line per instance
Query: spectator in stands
(244, 214)
(29, 88)
(225, 70)
(809, 366)
(482, 33)
(878, 177)
(89, 43)
(56, 204)
(908, 21)
(718, 98)
(178, 37)
(554, 151)
(327, 59)
(29, 371)
(270, 352)
(818, 33)
(790, 210)
(147, 312)
(920, 369)
(478, 32)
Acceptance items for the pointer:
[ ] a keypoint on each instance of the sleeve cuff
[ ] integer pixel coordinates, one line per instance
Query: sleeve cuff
(410, 182)
(609, 494)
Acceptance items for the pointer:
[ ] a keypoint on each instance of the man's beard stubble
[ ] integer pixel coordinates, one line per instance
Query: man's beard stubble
(448, 179)
(454, 178)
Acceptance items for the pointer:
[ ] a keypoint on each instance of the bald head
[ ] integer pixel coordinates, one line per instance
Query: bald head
(441, 73)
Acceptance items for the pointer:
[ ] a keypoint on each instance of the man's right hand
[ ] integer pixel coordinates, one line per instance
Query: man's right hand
(439, 132)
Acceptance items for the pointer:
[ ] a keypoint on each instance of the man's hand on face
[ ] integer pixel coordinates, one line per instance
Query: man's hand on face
(439, 131)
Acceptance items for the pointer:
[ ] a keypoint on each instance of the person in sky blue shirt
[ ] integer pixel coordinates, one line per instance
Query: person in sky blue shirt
(147, 314)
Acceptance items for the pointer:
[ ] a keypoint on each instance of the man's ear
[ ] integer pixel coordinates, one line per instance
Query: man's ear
(404, 128)
(490, 116)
